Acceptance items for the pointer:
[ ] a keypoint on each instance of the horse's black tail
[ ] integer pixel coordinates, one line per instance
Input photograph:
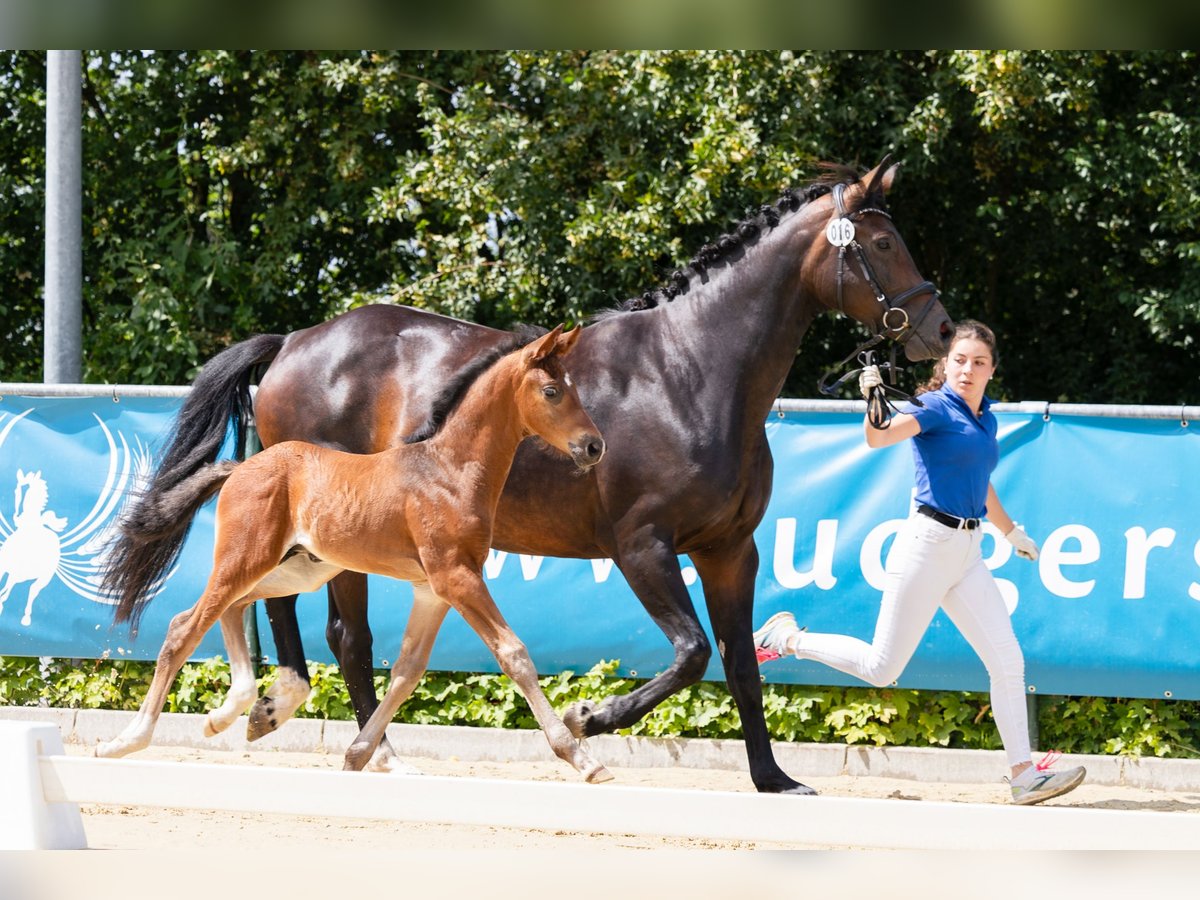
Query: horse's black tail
(148, 546)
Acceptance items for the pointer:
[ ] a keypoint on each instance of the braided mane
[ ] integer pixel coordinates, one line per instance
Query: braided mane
(749, 230)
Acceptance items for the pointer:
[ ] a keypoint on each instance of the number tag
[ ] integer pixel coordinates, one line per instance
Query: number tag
(840, 232)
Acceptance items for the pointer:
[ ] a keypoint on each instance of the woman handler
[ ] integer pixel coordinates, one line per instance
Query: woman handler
(936, 561)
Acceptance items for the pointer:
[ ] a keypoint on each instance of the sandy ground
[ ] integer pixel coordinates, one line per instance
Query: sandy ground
(119, 827)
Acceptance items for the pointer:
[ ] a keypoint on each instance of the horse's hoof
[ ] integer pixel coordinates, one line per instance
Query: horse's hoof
(209, 730)
(796, 789)
(576, 718)
(597, 775)
(385, 760)
(262, 719)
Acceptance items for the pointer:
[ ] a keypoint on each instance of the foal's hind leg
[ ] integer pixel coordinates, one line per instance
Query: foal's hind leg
(477, 607)
(428, 613)
(183, 636)
(243, 688)
(291, 686)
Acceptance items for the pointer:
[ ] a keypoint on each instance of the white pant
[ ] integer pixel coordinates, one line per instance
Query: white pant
(931, 564)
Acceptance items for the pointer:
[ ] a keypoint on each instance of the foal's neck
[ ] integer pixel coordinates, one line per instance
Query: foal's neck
(481, 434)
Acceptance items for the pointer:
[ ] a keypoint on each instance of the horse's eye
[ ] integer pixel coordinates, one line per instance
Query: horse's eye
(550, 392)
(884, 244)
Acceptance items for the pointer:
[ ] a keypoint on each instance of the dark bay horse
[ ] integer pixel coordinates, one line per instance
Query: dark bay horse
(680, 380)
(294, 516)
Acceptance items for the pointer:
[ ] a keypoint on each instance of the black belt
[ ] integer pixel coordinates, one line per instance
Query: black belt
(946, 519)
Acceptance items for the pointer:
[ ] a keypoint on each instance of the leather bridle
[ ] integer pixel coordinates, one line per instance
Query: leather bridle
(895, 325)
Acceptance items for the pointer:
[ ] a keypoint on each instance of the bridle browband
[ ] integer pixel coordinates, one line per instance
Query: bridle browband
(895, 324)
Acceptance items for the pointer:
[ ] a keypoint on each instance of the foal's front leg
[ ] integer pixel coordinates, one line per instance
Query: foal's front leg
(472, 599)
(428, 613)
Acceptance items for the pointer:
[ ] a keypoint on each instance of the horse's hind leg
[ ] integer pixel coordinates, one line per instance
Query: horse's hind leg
(428, 613)
(243, 688)
(728, 574)
(477, 607)
(183, 636)
(349, 636)
(291, 686)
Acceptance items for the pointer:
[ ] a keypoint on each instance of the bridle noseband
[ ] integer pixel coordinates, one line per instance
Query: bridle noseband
(895, 324)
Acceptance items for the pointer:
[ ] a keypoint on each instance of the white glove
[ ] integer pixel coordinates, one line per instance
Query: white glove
(1022, 542)
(868, 378)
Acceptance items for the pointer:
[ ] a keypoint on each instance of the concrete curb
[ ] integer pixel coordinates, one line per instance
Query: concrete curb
(931, 764)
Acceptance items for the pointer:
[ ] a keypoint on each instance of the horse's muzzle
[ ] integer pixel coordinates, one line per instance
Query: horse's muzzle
(587, 451)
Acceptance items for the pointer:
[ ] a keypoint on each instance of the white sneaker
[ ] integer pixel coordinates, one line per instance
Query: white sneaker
(771, 641)
(1036, 784)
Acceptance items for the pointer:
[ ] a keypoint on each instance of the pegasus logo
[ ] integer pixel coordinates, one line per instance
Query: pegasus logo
(37, 547)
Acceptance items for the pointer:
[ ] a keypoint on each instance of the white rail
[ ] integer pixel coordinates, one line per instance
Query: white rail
(49, 816)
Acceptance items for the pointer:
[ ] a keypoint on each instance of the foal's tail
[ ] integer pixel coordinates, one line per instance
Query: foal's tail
(152, 535)
(138, 560)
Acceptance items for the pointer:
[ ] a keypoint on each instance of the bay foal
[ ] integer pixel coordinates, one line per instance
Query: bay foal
(291, 517)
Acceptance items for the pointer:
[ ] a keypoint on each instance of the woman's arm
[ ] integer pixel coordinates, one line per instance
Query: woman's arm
(1013, 533)
(996, 512)
(902, 426)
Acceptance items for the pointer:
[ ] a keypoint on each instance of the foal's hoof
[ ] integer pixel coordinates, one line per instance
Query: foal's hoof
(357, 757)
(262, 719)
(577, 717)
(597, 775)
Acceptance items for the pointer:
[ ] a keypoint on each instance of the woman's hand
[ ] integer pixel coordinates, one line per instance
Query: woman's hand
(1024, 544)
(870, 377)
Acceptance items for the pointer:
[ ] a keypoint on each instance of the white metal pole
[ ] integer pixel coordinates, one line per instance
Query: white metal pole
(63, 353)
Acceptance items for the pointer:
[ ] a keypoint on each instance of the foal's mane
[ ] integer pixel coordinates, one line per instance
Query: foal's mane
(750, 229)
(452, 393)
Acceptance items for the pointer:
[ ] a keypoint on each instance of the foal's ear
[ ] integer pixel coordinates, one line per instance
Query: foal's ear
(567, 341)
(543, 346)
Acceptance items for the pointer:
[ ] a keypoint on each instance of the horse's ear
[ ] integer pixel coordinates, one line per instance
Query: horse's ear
(543, 346)
(879, 180)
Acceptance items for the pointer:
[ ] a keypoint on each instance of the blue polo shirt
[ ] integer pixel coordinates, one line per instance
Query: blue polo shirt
(954, 453)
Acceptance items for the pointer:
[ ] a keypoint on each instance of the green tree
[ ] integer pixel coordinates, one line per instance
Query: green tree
(1051, 194)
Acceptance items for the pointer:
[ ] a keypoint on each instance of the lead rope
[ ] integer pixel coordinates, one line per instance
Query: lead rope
(880, 405)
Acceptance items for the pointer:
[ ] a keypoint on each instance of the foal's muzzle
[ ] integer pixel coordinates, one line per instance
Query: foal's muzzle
(587, 451)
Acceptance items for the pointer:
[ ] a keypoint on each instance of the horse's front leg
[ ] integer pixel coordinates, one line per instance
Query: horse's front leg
(428, 613)
(291, 686)
(728, 576)
(653, 573)
(243, 687)
(183, 636)
(471, 598)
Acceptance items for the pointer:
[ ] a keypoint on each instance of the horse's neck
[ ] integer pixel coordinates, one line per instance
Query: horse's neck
(483, 431)
(746, 320)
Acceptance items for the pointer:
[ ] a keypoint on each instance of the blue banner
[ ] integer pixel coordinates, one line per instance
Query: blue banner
(66, 468)
(1111, 608)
